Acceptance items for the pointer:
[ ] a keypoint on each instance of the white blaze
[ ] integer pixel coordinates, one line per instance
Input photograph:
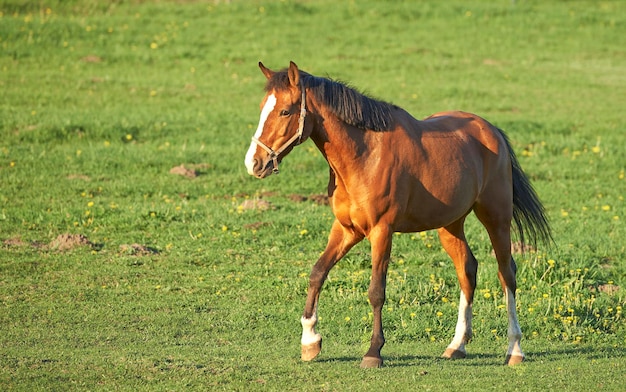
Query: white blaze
(267, 109)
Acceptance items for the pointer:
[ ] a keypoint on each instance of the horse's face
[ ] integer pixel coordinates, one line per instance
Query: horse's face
(280, 126)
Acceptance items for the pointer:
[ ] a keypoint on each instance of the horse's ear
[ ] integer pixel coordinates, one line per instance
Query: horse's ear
(294, 74)
(266, 71)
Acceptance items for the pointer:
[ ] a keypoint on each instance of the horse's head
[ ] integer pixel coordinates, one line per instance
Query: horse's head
(281, 125)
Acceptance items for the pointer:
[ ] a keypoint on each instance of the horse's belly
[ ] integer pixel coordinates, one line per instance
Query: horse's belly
(431, 206)
(427, 220)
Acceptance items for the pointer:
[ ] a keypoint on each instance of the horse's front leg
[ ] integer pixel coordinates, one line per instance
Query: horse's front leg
(380, 239)
(340, 241)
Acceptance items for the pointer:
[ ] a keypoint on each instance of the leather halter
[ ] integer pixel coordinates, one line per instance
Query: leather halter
(298, 136)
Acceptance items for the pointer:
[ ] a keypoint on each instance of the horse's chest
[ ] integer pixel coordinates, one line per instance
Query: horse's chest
(358, 212)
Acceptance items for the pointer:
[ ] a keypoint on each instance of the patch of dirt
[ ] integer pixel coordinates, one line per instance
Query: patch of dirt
(78, 177)
(608, 288)
(184, 171)
(190, 170)
(255, 204)
(138, 250)
(492, 62)
(319, 199)
(297, 198)
(14, 242)
(62, 243)
(92, 59)
(67, 241)
(255, 225)
(517, 248)
(257, 195)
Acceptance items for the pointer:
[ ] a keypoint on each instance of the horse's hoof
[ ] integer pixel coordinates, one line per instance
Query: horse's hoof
(451, 353)
(310, 351)
(371, 362)
(512, 360)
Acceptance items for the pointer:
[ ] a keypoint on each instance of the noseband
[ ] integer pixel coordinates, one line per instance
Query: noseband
(298, 136)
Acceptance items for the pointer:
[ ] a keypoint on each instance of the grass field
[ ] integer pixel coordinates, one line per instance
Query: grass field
(116, 273)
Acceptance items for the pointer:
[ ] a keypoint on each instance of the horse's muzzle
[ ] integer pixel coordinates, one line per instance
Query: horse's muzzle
(262, 169)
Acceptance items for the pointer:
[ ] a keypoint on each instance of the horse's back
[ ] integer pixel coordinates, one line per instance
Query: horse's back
(467, 124)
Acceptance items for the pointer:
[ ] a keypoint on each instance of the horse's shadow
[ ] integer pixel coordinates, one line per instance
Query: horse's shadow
(589, 352)
(482, 359)
(389, 361)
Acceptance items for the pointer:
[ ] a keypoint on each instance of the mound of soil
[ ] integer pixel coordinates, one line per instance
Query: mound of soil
(184, 171)
(192, 170)
(82, 177)
(255, 225)
(608, 288)
(67, 241)
(518, 248)
(14, 242)
(320, 199)
(138, 250)
(256, 204)
(92, 59)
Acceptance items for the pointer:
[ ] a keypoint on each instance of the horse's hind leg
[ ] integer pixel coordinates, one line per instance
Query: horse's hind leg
(498, 225)
(453, 240)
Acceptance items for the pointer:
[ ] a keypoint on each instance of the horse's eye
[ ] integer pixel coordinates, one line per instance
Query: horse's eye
(284, 113)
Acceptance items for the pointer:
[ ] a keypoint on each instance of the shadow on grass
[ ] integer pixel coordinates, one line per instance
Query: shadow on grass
(397, 360)
(487, 359)
(601, 352)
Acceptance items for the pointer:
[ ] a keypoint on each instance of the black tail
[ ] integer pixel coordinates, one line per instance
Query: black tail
(528, 212)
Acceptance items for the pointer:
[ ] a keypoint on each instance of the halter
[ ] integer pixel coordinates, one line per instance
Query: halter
(298, 136)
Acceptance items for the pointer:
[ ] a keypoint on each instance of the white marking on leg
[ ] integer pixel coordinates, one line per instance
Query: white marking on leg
(463, 330)
(270, 103)
(309, 336)
(514, 332)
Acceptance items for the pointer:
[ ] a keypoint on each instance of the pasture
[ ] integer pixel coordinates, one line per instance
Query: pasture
(138, 254)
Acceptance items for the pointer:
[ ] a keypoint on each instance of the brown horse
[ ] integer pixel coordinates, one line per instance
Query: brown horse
(392, 173)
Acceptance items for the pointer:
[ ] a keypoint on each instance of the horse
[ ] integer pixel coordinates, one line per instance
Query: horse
(390, 172)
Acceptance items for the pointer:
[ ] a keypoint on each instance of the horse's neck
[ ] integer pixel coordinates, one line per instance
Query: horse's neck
(343, 146)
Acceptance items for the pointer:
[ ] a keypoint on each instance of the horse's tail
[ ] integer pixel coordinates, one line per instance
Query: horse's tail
(528, 213)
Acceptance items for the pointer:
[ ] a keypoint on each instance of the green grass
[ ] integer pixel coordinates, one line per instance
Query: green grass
(99, 100)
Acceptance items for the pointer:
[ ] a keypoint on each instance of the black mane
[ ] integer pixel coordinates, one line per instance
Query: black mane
(348, 104)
